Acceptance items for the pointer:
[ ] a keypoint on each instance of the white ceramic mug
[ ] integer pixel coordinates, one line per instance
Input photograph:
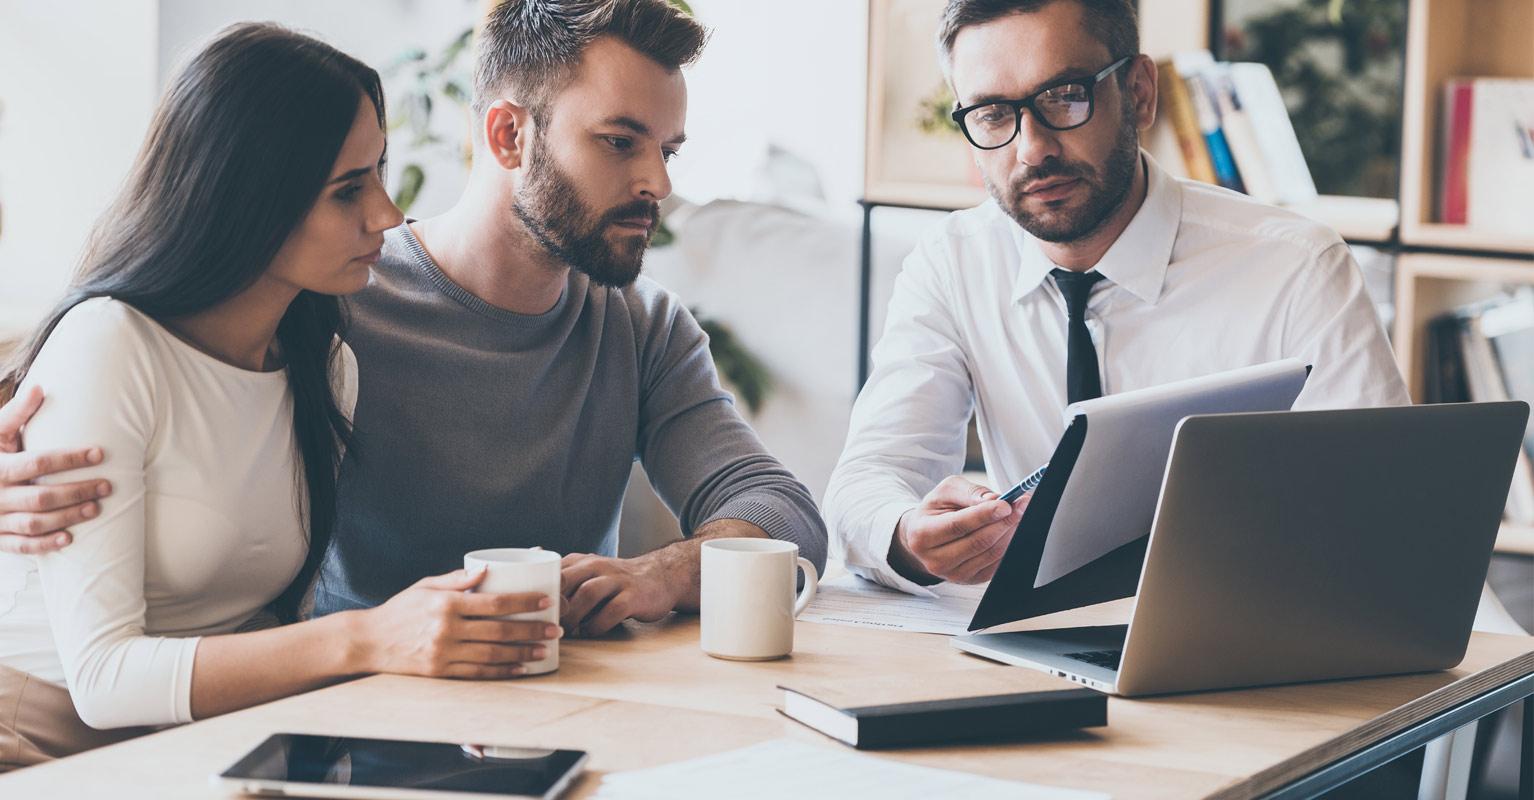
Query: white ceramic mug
(747, 597)
(510, 570)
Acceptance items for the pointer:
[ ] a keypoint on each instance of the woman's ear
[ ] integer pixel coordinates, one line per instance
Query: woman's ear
(508, 132)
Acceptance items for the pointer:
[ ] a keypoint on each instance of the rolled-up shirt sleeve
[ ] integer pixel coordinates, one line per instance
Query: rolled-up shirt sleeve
(704, 460)
(908, 424)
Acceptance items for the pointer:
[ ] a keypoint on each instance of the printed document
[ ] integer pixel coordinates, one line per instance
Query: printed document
(849, 600)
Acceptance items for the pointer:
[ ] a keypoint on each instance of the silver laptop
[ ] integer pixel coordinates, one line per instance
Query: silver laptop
(1301, 546)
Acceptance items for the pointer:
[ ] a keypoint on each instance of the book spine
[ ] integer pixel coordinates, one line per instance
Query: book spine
(998, 722)
(1214, 138)
(1485, 382)
(1258, 95)
(1459, 103)
(1244, 148)
(1446, 359)
(1179, 109)
(1224, 164)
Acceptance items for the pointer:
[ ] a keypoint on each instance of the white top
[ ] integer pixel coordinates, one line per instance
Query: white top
(203, 528)
(1201, 281)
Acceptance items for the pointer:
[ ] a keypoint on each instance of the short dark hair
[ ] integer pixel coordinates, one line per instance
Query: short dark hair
(1113, 22)
(533, 46)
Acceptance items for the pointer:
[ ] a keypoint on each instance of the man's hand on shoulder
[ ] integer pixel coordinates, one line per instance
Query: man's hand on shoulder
(35, 519)
(958, 533)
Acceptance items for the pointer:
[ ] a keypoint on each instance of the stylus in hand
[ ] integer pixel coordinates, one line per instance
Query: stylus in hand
(1026, 485)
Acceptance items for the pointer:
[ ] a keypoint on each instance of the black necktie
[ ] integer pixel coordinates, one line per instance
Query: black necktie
(1081, 379)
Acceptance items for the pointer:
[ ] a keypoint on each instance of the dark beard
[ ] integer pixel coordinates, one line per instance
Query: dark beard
(1105, 191)
(551, 209)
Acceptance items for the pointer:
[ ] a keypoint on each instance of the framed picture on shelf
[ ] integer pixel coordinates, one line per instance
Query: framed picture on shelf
(915, 153)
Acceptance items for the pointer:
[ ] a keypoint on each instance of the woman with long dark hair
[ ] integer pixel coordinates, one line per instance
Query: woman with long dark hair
(199, 346)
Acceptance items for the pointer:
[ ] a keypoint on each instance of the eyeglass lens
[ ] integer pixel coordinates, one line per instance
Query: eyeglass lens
(1060, 108)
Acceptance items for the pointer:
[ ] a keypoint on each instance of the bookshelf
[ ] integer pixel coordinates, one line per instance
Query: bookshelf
(1361, 220)
(1442, 266)
(1439, 267)
(1170, 26)
(1429, 284)
(1449, 39)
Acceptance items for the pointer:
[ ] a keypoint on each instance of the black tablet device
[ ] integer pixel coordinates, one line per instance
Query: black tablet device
(301, 765)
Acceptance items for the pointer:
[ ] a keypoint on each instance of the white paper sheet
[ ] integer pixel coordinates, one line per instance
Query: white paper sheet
(787, 768)
(850, 600)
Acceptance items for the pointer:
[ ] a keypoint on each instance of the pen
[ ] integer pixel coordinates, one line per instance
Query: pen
(1026, 485)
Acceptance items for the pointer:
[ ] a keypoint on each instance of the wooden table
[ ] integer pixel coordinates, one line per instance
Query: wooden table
(648, 696)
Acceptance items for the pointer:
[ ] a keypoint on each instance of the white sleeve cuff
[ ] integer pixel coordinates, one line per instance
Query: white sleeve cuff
(877, 568)
(181, 678)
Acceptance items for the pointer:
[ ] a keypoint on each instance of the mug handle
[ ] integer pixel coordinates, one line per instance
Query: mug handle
(811, 577)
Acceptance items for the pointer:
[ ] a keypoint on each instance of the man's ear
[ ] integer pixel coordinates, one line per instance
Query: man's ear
(1142, 89)
(508, 130)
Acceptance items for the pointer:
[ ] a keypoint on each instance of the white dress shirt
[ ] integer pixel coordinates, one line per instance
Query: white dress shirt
(1201, 281)
(203, 528)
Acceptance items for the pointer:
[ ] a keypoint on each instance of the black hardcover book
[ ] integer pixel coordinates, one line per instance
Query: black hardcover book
(968, 710)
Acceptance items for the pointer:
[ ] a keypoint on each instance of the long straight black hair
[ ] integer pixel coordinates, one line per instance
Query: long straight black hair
(237, 153)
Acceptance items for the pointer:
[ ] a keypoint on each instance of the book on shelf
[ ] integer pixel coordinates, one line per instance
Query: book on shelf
(1233, 128)
(1259, 95)
(1486, 154)
(1454, 152)
(1191, 67)
(1241, 135)
(1484, 352)
(960, 705)
(1177, 105)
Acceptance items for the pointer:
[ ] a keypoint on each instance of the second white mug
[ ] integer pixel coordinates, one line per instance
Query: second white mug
(747, 597)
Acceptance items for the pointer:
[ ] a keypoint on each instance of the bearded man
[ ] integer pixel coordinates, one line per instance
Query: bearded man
(516, 362)
(1090, 270)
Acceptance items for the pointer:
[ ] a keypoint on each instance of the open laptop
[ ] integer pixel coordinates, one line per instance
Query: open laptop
(1301, 546)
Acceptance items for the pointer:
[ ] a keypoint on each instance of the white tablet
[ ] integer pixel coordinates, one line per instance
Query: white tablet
(1111, 498)
(1082, 538)
(301, 765)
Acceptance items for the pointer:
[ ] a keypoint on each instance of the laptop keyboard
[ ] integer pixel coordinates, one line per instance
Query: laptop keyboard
(1107, 659)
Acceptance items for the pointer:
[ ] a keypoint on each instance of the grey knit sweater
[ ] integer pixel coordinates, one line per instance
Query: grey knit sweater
(477, 427)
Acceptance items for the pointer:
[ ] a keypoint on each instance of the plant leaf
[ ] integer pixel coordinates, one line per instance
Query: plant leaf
(663, 236)
(454, 49)
(404, 59)
(455, 92)
(411, 179)
(737, 364)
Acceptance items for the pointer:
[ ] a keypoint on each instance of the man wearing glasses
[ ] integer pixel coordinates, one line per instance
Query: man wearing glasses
(1090, 271)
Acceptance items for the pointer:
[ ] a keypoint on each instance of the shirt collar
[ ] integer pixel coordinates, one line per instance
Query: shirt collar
(1136, 261)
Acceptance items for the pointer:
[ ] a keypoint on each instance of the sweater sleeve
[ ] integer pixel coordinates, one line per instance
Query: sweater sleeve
(99, 380)
(704, 461)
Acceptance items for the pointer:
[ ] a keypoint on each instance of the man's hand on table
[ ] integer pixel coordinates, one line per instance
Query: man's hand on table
(959, 533)
(35, 519)
(601, 592)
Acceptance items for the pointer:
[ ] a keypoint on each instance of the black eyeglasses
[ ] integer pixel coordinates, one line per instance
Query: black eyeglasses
(1059, 107)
